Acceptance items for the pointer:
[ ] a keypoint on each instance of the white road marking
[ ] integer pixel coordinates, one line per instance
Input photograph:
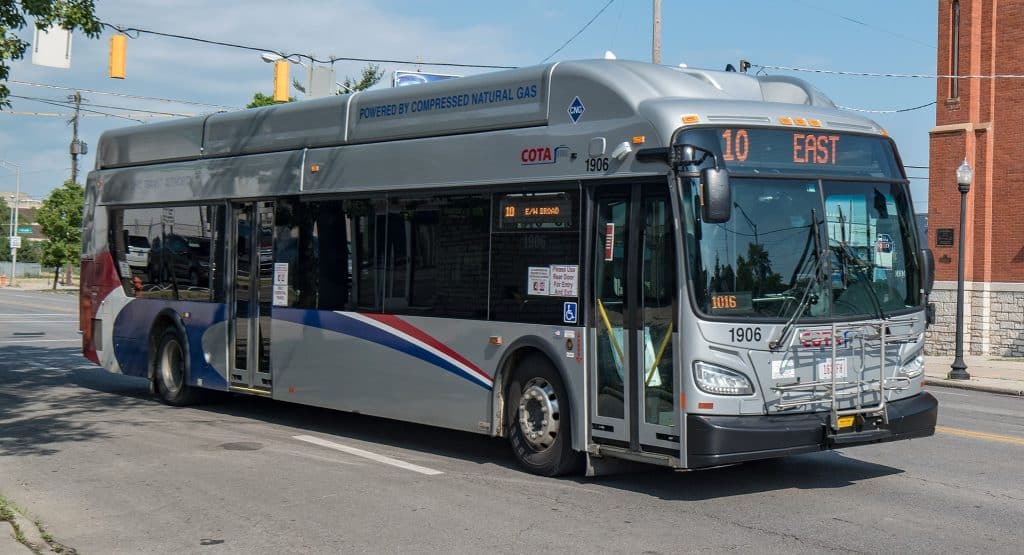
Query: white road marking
(64, 314)
(18, 341)
(368, 455)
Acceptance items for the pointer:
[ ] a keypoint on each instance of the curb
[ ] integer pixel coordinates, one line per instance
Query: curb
(938, 382)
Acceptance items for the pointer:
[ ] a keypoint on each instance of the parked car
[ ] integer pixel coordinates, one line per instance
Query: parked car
(184, 259)
(138, 252)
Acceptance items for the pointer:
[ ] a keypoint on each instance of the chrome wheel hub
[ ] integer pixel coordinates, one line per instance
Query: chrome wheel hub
(172, 367)
(538, 414)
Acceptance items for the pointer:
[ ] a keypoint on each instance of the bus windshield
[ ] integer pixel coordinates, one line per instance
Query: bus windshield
(818, 246)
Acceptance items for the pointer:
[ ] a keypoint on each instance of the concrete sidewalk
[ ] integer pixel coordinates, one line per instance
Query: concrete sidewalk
(992, 374)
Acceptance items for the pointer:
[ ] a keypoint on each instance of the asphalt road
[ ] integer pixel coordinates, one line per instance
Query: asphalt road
(109, 470)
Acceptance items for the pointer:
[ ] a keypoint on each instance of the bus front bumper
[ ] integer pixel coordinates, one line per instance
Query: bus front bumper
(717, 440)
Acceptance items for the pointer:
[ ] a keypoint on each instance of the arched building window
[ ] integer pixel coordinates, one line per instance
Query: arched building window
(954, 50)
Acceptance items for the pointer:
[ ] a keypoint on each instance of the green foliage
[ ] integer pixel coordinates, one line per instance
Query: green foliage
(69, 14)
(260, 100)
(30, 251)
(61, 220)
(371, 75)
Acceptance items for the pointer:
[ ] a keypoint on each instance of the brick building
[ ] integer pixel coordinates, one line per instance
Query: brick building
(982, 120)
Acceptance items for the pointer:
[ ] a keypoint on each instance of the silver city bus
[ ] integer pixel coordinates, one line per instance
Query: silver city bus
(597, 260)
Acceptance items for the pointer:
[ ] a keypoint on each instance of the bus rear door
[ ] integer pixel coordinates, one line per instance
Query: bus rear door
(253, 258)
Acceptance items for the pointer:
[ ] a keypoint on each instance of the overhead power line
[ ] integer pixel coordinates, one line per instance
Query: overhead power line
(817, 6)
(874, 74)
(122, 95)
(578, 33)
(895, 111)
(137, 31)
(65, 104)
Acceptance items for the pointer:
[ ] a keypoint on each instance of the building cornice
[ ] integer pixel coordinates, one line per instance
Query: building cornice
(965, 127)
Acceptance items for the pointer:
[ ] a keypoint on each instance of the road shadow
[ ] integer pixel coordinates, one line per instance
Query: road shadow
(47, 396)
(36, 419)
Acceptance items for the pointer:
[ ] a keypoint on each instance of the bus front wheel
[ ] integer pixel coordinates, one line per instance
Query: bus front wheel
(170, 375)
(538, 420)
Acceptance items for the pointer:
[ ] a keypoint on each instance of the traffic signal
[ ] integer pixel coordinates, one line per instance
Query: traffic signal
(281, 80)
(118, 47)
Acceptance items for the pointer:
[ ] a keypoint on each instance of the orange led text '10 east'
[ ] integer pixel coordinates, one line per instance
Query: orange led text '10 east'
(814, 149)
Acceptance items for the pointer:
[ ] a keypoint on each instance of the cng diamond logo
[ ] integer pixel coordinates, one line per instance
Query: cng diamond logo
(576, 110)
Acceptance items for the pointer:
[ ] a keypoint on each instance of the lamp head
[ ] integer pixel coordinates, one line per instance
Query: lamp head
(270, 57)
(964, 175)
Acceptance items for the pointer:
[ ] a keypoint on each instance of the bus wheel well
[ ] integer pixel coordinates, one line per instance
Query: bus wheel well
(505, 374)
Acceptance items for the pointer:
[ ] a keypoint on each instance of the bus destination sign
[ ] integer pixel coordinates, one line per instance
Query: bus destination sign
(803, 150)
(540, 211)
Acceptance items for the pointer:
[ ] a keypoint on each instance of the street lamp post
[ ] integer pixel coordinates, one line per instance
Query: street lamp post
(958, 370)
(14, 217)
(270, 58)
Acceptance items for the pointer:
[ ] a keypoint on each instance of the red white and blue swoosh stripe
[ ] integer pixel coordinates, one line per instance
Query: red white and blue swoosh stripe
(394, 333)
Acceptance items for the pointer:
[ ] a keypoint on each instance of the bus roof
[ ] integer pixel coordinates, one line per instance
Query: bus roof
(570, 98)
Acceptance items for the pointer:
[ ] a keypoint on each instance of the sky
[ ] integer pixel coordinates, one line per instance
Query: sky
(879, 36)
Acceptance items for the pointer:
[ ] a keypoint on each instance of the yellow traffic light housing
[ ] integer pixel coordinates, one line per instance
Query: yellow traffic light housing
(118, 51)
(281, 80)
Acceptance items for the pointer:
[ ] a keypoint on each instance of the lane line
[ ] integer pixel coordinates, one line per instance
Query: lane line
(34, 314)
(980, 435)
(4, 301)
(368, 455)
(19, 341)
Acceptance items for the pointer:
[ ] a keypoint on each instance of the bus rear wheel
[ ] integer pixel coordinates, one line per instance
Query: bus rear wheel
(170, 374)
(538, 423)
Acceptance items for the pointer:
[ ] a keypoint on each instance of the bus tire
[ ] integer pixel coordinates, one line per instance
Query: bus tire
(170, 372)
(538, 423)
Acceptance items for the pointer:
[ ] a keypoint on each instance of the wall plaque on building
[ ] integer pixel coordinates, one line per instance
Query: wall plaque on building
(944, 237)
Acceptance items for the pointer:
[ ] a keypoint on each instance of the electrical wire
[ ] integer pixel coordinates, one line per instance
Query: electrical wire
(817, 6)
(137, 32)
(64, 105)
(578, 33)
(874, 74)
(896, 111)
(122, 95)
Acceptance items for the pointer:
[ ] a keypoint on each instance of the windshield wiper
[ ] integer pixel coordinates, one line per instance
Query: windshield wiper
(808, 298)
(847, 256)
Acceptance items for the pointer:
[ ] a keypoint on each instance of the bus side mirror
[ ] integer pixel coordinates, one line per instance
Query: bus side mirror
(928, 270)
(716, 195)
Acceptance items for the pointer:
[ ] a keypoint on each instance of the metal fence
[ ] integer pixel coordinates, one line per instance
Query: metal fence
(25, 269)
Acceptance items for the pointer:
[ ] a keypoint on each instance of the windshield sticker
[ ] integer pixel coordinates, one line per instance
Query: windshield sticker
(538, 280)
(564, 280)
(883, 251)
(280, 284)
(609, 242)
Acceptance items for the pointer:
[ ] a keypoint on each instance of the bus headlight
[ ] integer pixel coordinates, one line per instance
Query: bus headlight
(913, 368)
(720, 381)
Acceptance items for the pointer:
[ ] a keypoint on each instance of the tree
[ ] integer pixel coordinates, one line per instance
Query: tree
(61, 220)
(259, 100)
(371, 74)
(69, 14)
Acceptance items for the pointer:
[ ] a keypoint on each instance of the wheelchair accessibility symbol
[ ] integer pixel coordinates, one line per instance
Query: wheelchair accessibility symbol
(569, 313)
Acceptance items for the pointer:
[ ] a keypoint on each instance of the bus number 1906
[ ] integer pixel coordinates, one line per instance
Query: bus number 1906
(744, 335)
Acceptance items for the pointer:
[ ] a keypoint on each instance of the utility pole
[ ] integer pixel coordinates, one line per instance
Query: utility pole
(656, 34)
(75, 146)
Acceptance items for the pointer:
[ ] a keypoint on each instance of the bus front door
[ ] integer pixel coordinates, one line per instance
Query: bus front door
(633, 384)
(253, 290)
